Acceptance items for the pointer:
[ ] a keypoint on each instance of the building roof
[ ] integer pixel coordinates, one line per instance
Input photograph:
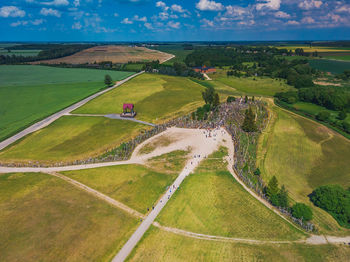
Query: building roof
(128, 106)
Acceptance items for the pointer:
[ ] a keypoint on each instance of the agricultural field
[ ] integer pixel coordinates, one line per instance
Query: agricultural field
(157, 98)
(332, 66)
(113, 53)
(135, 186)
(177, 50)
(252, 85)
(319, 49)
(30, 93)
(303, 155)
(225, 209)
(19, 52)
(71, 138)
(43, 218)
(158, 245)
(339, 57)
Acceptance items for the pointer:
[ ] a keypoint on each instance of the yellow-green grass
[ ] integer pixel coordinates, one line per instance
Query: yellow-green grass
(43, 218)
(158, 245)
(72, 138)
(170, 163)
(211, 201)
(303, 155)
(161, 141)
(156, 98)
(135, 186)
(264, 86)
(319, 49)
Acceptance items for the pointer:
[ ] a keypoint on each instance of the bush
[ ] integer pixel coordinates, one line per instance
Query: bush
(342, 115)
(302, 211)
(346, 127)
(323, 116)
(230, 99)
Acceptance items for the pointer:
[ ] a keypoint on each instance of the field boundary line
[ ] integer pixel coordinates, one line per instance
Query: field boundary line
(48, 120)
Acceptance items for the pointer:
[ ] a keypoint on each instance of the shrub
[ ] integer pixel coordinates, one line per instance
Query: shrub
(302, 211)
(323, 116)
(342, 115)
(346, 127)
(230, 99)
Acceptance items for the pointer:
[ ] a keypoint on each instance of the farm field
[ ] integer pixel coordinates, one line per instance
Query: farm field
(339, 57)
(135, 186)
(177, 50)
(71, 138)
(259, 86)
(332, 66)
(319, 49)
(113, 53)
(303, 155)
(30, 93)
(43, 218)
(157, 98)
(158, 245)
(19, 52)
(225, 209)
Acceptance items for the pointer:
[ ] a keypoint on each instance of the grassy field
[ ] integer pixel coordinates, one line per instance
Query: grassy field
(135, 186)
(304, 155)
(252, 85)
(156, 98)
(159, 245)
(339, 57)
(43, 218)
(19, 52)
(332, 66)
(29, 93)
(71, 138)
(319, 49)
(211, 202)
(177, 50)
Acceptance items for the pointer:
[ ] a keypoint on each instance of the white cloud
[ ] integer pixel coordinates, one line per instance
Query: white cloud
(307, 20)
(173, 24)
(177, 8)
(126, 21)
(148, 26)
(77, 26)
(56, 3)
(207, 5)
(35, 22)
(76, 3)
(310, 4)
(115, 14)
(292, 22)
(11, 11)
(281, 14)
(163, 16)
(139, 19)
(343, 9)
(162, 5)
(50, 12)
(269, 4)
(207, 23)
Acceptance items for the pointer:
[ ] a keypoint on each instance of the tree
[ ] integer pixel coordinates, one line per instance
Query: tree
(249, 121)
(216, 101)
(257, 172)
(230, 99)
(246, 99)
(253, 98)
(108, 80)
(342, 115)
(272, 187)
(302, 211)
(208, 95)
(283, 197)
(323, 116)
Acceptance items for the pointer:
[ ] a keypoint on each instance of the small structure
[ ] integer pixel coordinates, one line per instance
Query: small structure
(128, 110)
(205, 69)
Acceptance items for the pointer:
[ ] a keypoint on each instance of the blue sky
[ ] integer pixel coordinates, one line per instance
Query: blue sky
(173, 20)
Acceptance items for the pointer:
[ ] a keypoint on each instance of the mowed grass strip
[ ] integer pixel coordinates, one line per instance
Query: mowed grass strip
(156, 98)
(211, 202)
(158, 245)
(30, 93)
(303, 155)
(43, 218)
(72, 138)
(135, 186)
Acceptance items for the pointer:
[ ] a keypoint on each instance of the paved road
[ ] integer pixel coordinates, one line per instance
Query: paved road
(45, 122)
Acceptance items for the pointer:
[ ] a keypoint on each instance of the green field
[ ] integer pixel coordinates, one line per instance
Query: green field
(157, 245)
(340, 57)
(303, 155)
(211, 201)
(135, 186)
(19, 52)
(252, 85)
(30, 93)
(332, 66)
(156, 97)
(71, 138)
(177, 50)
(43, 218)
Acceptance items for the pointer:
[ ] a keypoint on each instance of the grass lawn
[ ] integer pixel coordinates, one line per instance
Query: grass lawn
(43, 218)
(211, 201)
(333, 66)
(157, 245)
(177, 50)
(30, 93)
(156, 98)
(71, 138)
(135, 186)
(260, 86)
(303, 155)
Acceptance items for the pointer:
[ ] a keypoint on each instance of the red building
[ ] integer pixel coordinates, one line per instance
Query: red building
(204, 69)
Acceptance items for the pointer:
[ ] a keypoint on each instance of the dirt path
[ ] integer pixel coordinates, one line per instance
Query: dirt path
(48, 120)
(207, 77)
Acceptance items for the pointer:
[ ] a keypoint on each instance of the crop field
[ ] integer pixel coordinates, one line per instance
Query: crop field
(319, 49)
(332, 66)
(156, 98)
(177, 50)
(225, 209)
(303, 155)
(253, 85)
(43, 218)
(158, 245)
(30, 93)
(71, 138)
(135, 186)
(113, 53)
(19, 52)
(339, 57)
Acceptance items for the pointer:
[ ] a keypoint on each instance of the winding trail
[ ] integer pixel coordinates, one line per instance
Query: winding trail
(48, 120)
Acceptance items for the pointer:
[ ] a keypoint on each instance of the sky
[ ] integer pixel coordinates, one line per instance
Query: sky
(174, 20)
